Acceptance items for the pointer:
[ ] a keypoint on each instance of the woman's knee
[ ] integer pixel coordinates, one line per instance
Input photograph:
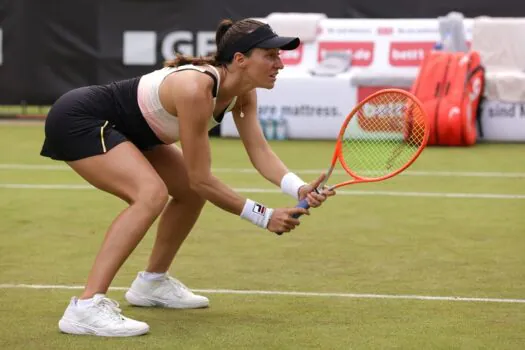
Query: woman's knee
(153, 195)
(189, 198)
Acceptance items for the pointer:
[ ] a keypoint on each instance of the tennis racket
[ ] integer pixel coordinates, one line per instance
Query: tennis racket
(382, 136)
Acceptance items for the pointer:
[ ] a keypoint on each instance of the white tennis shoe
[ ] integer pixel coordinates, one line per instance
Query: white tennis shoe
(165, 292)
(102, 318)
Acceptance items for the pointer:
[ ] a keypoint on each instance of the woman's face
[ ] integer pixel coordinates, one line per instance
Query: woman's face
(262, 67)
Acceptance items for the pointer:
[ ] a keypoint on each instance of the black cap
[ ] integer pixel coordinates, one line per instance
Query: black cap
(263, 37)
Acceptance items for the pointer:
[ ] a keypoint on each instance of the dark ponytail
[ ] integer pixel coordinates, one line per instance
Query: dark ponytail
(223, 36)
(181, 60)
(222, 29)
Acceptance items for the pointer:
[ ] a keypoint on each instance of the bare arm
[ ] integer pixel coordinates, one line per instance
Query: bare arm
(261, 155)
(265, 160)
(194, 107)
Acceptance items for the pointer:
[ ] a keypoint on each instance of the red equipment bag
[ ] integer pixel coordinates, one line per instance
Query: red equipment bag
(450, 86)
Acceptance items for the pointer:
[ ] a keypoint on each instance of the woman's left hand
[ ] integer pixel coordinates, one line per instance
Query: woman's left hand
(314, 198)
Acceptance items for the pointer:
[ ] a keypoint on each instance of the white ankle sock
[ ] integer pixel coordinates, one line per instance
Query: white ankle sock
(83, 303)
(153, 276)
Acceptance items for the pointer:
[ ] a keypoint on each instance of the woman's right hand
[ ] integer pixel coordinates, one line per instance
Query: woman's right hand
(283, 221)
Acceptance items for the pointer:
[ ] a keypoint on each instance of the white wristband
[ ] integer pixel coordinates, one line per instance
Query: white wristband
(256, 213)
(291, 183)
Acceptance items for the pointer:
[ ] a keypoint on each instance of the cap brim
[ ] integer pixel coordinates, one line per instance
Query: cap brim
(280, 42)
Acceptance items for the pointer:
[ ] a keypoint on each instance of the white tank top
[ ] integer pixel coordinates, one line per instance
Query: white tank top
(164, 124)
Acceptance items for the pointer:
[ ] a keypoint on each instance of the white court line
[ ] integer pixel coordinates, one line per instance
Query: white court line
(277, 191)
(298, 294)
(33, 167)
(486, 174)
(47, 186)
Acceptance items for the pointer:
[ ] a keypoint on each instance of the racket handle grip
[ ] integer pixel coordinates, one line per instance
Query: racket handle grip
(302, 204)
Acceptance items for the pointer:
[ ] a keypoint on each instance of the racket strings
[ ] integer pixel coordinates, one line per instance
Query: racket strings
(384, 134)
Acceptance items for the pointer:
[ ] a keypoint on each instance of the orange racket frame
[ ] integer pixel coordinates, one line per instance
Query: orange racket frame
(338, 147)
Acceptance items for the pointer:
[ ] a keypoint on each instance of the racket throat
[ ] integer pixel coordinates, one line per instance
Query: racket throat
(328, 173)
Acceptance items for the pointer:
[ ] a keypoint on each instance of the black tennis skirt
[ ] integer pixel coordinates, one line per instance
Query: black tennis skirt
(91, 120)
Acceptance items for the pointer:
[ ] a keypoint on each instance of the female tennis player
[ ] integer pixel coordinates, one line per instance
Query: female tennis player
(120, 138)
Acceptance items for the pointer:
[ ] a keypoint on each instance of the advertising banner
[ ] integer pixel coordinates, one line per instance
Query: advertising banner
(295, 108)
(503, 121)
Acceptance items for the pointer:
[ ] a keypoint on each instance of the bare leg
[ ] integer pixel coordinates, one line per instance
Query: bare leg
(124, 172)
(182, 211)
